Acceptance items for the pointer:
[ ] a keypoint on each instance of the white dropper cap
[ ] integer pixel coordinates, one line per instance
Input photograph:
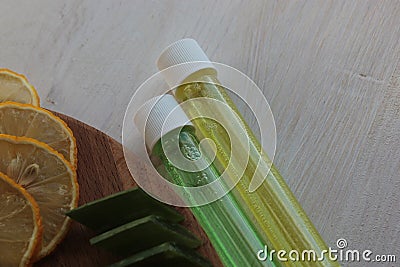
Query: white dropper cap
(178, 53)
(158, 116)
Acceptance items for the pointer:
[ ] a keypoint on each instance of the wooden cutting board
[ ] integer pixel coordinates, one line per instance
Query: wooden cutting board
(102, 171)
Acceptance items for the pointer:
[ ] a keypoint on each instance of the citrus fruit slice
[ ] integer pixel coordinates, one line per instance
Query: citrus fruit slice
(48, 178)
(20, 224)
(37, 123)
(15, 87)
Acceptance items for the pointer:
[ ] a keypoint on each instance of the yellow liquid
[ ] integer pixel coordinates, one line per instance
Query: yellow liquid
(273, 209)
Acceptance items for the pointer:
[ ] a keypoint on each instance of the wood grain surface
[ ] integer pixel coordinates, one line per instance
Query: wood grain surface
(101, 172)
(330, 70)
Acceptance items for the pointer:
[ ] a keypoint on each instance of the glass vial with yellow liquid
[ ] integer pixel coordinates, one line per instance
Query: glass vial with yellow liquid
(272, 208)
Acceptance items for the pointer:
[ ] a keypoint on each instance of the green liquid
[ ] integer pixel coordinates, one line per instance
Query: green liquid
(226, 226)
(272, 208)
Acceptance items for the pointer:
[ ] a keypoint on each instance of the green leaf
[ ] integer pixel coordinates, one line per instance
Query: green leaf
(143, 234)
(118, 209)
(167, 255)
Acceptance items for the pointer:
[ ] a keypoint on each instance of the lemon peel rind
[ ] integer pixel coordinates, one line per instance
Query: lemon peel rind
(65, 226)
(34, 244)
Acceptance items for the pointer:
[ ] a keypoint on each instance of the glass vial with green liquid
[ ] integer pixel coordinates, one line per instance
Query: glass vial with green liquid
(272, 208)
(226, 226)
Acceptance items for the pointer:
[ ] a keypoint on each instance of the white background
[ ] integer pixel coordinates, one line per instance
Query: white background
(330, 70)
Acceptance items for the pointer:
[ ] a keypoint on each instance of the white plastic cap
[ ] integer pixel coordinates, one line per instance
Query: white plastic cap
(158, 116)
(178, 53)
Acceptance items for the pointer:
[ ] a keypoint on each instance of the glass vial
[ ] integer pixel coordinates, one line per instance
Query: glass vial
(272, 208)
(226, 226)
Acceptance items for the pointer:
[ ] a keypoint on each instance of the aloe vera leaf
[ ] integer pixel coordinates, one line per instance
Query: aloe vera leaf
(166, 254)
(143, 234)
(118, 209)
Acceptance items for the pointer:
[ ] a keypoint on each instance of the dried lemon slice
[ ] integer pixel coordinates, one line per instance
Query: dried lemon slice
(48, 177)
(37, 123)
(15, 87)
(20, 224)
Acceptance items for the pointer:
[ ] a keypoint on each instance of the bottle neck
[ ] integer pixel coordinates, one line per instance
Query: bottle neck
(194, 85)
(203, 75)
(171, 137)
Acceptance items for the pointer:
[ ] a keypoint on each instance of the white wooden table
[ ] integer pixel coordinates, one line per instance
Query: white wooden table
(329, 69)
